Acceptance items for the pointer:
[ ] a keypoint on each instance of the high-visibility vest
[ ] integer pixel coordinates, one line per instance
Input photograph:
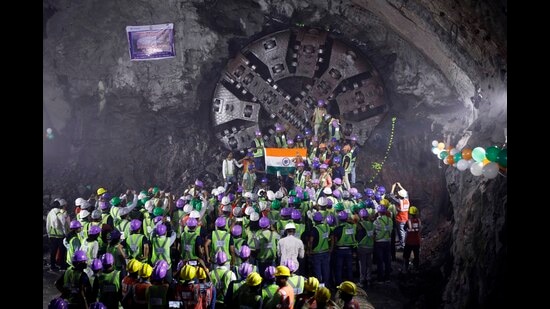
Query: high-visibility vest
(281, 141)
(323, 231)
(383, 228)
(134, 245)
(347, 239)
(368, 240)
(188, 245)
(220, 242)
(267, 246)
(71, 283)
(109, 287)
(259, 152)
(156, 296)
(297, 283)
(347, 168)
(220, 280)
(161, 249)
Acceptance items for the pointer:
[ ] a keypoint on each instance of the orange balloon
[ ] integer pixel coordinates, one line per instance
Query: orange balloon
(449, 147)
(486, 161)
(467, 154)
(451, 160)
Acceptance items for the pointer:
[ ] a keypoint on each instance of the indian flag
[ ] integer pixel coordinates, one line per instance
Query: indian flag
(282, 159)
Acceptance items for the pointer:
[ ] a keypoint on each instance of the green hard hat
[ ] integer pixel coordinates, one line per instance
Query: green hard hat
(158, 212)
(155, 190)
(276, 204)
(115, 201)
(339, 207)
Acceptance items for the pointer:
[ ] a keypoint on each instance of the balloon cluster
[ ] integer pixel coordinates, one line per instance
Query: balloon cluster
(480, 161)
(49, 133)
(377, 166)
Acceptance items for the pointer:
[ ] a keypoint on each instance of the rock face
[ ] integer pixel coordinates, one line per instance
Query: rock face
(123, 124)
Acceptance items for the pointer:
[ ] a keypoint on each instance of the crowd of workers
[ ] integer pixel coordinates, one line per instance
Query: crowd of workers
(251, 243)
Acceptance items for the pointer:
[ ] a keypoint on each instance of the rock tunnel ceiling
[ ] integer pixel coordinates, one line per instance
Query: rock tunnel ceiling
(280, 77)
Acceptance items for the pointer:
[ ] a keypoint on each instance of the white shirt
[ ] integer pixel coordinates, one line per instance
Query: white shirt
(57, 221)
(228, 167)
(290, 247)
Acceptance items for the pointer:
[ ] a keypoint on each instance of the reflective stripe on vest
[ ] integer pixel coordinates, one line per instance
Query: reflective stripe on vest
(220, 243)
(268, 247)
(188, 241)
(368, 240)
(220, 283)
(134, 245)
(297, 283)
(348, 168)
(161, 251)
(383, 233)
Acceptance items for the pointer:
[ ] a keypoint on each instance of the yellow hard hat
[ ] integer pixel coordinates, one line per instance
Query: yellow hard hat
(384, 202)
(188, 272)
(145, 271)
(201, 274)
(413, 210)
(281, 271)
(134, 266)
(322, 295)
(253, 279)
(311, 284)
(348, 287)
(101, 191)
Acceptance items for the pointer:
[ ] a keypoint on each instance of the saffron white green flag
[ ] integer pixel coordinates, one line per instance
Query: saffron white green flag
(283, 160)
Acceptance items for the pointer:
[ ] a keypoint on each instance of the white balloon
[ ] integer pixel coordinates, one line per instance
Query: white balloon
(49, 131)
(490, 170)
(462, 165)
(453, 151)
(434, 143)
(436, 151)
(477, 168)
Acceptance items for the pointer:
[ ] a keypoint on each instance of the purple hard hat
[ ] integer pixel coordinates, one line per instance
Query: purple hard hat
(289, 141)
(191, 222)
(103, 205)
(381, 190)
(97, 264)
(278, 127)
(58, 303)
(337, 193)
(94, 230)
(180, 203)
(329, 203)
(300, 195)
(285, 212)
(231, 197)
(244, 252)
(269, 273)
(135, 225)
(353, 191)
(245, 269)
(354, 137)
(107, 259)
(159, 271)
(97, 305)
(335, 123)
(264, 222)
(264, 180)
(237, 230)
(337, 181)
(358, 196)
(258, 133)
(299, 137)
(331, 220)
(106, 196)
(320, 102)
(160, 229)
(115, 235)
(239, 187)
(381, 209)
(337, 160)
(300, 164)
(317, 217)
(79, 256)
(296, 215)
(157, 219)
(307, 132)
(75, 225)
(250, 167)
(337, 148)
(377, 197)
(161, 263)
(180, 265)
(221, 258)
(290, 264)
(363, 213)
(220, 222)
(342, 215)
(199, 183)
(323, 166)
(369, 192)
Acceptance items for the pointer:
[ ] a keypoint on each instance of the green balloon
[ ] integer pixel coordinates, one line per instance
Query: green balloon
(443, 154)
(478, 154)
(458, 156)
(492, 153)
(502, 158)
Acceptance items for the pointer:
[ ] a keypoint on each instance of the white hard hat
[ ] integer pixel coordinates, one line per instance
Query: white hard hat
(278, 195)
(289, 226)
(403, 193)
(141, 195)
(221, 190)
(260, 192)
(263, 205)
(79, 201)
(226, 208)
(62, 202)
(214, 191)
(226, 200)
(194, 214)
(237, 211)
(85, 205)
(96, 214)
(254, 216)
(187, 208)
(322, 201)
(247, 194)
(270, 195)
(83, 213)
(248, 211)
(327, 191)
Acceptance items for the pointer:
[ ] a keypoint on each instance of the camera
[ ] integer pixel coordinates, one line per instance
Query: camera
(391, 198)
